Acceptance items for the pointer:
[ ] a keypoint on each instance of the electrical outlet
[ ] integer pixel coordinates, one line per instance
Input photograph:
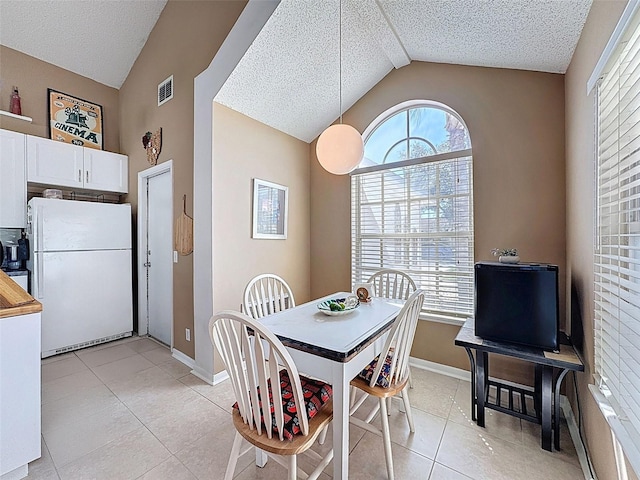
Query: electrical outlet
(175, 256)
(187, 334)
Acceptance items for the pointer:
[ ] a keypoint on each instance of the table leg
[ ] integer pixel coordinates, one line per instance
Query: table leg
(556, 408)
(340, 423)
(546, 392)
(482, 363)
(537, 389)
(261, 458)
(472, 363)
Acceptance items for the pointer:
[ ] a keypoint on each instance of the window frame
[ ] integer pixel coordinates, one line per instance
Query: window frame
(615, 329)
(449, 317)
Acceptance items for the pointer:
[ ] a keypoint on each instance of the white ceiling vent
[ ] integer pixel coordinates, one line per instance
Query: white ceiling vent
(165, 91)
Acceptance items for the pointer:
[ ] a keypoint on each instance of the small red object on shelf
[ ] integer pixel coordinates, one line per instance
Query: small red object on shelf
(15, 107)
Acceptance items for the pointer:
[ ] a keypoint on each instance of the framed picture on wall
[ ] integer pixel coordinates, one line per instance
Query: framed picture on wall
(270, 210)
(74, 120)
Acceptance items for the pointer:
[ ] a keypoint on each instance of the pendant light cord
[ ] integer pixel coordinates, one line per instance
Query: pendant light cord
(340, 70)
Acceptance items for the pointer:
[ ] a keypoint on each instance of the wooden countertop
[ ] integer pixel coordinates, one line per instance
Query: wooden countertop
(14, 300)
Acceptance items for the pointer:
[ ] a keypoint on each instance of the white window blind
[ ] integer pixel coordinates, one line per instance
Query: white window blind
(617, 249)
(417, 216)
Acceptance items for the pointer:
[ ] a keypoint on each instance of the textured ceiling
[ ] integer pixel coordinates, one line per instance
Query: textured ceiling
(95, 38)
(290, 76)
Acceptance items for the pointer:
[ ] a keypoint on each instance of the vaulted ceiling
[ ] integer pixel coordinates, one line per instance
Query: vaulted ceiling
(98, 39)
(291, 76)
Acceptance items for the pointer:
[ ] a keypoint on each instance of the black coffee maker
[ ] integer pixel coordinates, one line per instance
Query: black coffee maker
(13, 256)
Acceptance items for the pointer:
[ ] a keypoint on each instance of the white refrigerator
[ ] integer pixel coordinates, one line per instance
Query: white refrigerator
(81, 271)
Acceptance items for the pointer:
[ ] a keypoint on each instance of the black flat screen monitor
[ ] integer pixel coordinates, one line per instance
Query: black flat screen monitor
(517, 303)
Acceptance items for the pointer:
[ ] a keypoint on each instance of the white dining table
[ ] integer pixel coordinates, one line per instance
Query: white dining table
(334, 349)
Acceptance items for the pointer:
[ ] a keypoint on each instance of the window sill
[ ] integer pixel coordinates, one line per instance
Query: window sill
(442, 319)
(623, 432)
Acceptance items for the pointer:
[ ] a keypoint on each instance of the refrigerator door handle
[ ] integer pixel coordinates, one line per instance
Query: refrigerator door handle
(40, 274)
(40, 247)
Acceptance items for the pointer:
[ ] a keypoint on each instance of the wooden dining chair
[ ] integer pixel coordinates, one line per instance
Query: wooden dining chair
(385, 379)
(394, 284)
(300, 408)
(266, 294)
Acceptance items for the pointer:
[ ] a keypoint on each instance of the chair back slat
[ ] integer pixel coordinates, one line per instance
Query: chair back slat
(253, 357)
(258, 377)
(393, 284)
(276, 390)
(267, 294)
(400, 339)
(228, 349)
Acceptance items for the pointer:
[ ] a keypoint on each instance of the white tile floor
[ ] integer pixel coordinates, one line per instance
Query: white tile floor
(129, 410)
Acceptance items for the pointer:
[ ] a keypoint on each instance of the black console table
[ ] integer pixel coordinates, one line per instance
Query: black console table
(546, 392)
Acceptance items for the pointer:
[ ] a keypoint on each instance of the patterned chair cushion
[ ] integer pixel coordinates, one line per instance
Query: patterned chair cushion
(316, 394)
(383, 379)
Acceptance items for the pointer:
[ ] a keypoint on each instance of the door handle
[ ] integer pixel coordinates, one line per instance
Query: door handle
(148, 264)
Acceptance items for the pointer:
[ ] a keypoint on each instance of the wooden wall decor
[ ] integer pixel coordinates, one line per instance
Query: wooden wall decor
(152, 143)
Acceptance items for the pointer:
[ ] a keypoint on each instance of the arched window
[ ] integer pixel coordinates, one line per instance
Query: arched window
(412, 205)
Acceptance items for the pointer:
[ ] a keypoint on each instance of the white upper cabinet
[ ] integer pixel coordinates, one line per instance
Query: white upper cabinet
(54, 163)
(13, 184)
(62, 164)
(106, 171)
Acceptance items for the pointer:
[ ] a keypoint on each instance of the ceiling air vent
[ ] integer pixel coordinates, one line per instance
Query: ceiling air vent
(165, 91)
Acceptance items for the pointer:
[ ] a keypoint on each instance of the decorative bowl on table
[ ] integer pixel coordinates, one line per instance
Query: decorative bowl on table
(339, 306)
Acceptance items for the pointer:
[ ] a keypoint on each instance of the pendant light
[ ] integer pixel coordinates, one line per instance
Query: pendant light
(340, 148)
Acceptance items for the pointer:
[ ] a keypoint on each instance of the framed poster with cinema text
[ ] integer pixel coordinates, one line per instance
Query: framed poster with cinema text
(73, 120)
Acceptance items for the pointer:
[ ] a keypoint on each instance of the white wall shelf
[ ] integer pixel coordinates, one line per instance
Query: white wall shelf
(19, 117)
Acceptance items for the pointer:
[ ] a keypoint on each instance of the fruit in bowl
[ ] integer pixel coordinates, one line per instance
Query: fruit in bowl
(339, 306)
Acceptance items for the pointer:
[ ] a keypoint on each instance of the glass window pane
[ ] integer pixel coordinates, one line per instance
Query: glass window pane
(396, 153)
(419, 148)
(428, 123)
(387, 134)
(431, 131)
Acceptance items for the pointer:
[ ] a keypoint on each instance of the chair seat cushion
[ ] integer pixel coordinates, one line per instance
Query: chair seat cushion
(316, 394)
(383, 379)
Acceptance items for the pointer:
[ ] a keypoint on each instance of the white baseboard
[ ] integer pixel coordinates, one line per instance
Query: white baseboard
(220, 377)
(202, 375)
(439, 368)
(188, 361)
(17, 474)
(575, 437)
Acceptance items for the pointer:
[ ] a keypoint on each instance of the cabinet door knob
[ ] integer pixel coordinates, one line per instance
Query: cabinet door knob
(87, 180)
(80, 175)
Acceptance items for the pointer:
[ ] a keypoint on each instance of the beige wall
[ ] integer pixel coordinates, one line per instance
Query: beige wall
(244, 149)
(33, 77)
(183, 43)
(580, 203)
(516, 122)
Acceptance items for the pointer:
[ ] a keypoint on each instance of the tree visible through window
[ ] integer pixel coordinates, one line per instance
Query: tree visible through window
(412, 205)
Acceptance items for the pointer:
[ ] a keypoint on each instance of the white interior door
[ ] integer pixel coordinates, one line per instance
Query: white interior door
(159, 253)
